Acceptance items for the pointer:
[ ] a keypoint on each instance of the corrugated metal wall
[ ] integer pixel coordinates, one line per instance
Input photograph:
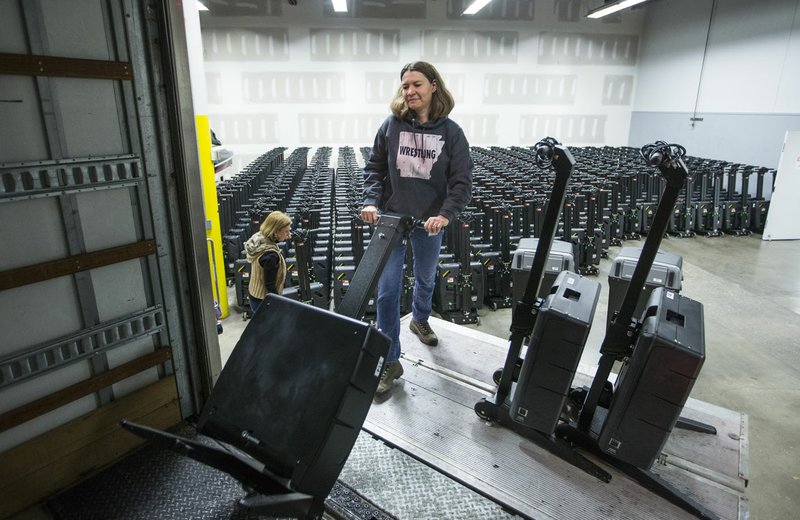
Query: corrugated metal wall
(99, 302)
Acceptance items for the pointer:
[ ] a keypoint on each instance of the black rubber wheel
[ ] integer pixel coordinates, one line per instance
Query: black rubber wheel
(497, 375)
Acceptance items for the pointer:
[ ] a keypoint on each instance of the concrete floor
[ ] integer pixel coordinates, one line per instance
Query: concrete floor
(750, 290)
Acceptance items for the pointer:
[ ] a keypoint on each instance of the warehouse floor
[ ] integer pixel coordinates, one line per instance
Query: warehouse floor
(750, 290)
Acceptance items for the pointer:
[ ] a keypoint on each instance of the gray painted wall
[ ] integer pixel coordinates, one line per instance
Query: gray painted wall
(745, 85)
(520, 70)
(755, 139)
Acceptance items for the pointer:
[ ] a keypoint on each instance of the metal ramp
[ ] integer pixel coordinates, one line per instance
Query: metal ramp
(430, 416)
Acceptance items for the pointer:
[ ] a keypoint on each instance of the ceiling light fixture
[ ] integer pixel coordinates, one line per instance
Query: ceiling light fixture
(612, 7)
(476, 6)
(340, 6)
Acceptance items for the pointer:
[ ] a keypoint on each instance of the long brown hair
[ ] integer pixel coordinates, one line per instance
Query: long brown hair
(442, 101)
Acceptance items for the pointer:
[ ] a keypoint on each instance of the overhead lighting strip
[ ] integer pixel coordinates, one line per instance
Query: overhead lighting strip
(612, 7)
(476, 6)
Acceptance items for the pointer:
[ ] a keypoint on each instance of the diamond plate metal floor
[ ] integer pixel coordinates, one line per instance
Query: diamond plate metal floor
(154, 483)
(410, 489)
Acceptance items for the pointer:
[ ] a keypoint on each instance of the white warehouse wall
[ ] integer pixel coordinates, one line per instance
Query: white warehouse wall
(743, 85)
(302, 76)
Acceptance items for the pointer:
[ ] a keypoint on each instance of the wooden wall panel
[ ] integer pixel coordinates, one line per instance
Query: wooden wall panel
(46, 464)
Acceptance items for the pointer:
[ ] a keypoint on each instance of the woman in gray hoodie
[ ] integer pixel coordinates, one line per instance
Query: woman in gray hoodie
(420, 166)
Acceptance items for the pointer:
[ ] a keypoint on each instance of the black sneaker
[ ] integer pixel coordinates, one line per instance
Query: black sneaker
(424, 332)
(390, 372)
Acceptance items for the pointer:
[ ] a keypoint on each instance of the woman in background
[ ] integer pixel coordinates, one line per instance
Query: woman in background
(267, 265)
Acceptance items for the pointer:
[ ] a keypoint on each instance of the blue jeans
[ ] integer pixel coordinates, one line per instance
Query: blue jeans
(390, 286)
(254, 303)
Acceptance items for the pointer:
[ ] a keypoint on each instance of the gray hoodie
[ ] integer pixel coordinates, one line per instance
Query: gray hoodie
(422, 170)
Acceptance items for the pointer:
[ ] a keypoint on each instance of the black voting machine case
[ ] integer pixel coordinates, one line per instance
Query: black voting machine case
(662, 352)
(296, 391)
(291, 400)
(654, 383)
(556, 345)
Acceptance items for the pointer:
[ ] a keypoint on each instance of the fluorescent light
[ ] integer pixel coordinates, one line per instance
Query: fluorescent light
(201, 6)
(340, 6)
(612, 7)
(476, 6)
